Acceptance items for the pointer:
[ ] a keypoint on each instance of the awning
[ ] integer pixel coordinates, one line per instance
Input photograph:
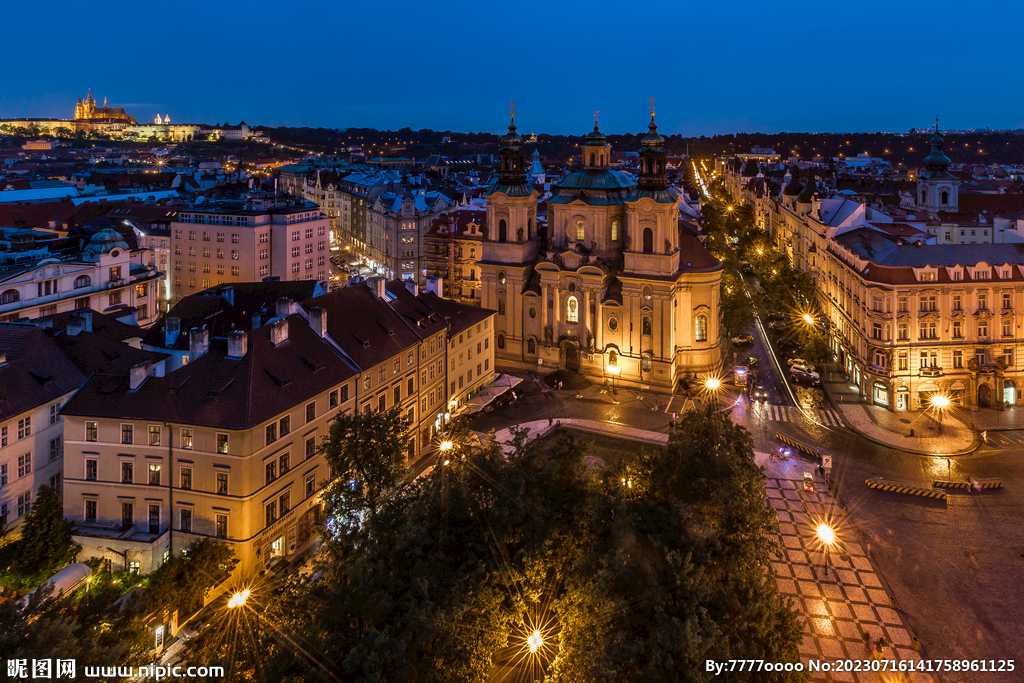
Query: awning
(488, 394)
(957, 386)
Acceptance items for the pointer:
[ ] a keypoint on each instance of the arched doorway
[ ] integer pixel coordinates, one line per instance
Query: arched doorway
(570, 356)
(984, 396)
(1009, 392)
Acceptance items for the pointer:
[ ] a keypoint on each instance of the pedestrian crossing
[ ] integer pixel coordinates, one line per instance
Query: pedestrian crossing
(774, 413)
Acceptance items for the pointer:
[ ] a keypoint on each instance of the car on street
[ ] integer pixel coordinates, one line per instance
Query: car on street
(787, 345)
(801, 375)
(750, 362)
(758, 392)
(743, 340)
(808, 482)
(796, 360)
(777, 325)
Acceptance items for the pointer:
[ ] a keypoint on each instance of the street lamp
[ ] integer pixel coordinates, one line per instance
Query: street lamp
(940, 403)
(238, 599)
(808, 319)
(535, 641)
(827, 536)
(614, 371)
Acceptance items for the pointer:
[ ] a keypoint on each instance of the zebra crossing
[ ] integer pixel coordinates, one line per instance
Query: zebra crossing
(775, 413)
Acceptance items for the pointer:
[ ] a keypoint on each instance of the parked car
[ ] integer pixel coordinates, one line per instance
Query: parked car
(743, 340)
(777, 325)
(787, 345)
(800, 361)
(750, 362)
(758, 392)
(808, 482)
(193, 629)
(800, 373)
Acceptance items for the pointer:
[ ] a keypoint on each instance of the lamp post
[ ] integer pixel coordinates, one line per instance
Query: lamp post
(940, 403)
(712, 385)
(614, 371)
(827, 536)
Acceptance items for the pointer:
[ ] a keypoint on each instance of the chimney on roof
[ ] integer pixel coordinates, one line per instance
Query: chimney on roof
(279, 331)
(380, 286)
(85, 315)
(198, 342)
(412, 287)
(172, 328)
(75, 326)
(238, 343)
(435, 285)
(284, 307)
(229, 294)
(139, 373)
(318, 321)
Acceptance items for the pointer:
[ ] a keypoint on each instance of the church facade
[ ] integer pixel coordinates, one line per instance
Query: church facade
(616, 287)
(87, 109)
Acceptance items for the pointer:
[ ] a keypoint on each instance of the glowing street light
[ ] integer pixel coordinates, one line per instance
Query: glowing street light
(535, 641)
(238, 599)
(940, 403)
(712, 384)
(827, 536)
(808, 319)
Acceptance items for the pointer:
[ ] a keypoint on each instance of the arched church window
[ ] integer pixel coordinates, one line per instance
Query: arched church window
(613, 358)
(502, 230)
(646, 327)
(579, 230)
(701, 328)
(645, 363)
(529, 228)
(924, 196)
(501, 277)
(501, 307)
(572, 286)
(500, 342)
(531, 345)
(572, 310)
(615, 230)
(945, 198)
(592, 159)
(648, 240)
(647, 293)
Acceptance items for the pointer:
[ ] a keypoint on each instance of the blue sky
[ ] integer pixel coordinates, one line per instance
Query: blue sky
(714, 67)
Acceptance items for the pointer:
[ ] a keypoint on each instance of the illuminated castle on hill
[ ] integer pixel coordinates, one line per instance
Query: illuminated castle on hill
(89, 110)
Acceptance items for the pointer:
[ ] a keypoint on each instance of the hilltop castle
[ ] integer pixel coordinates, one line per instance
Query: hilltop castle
(89, 110)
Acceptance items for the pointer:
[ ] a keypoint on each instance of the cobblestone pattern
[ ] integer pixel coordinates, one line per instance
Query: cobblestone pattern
(845, 612)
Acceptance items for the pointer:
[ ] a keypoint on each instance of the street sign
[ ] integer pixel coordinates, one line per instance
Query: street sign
(826, 462)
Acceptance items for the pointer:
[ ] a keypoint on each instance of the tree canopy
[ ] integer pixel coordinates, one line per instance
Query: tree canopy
(446, 577)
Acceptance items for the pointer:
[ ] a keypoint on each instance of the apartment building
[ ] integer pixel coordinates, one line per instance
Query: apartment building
(396, 225)
(470, 348)
(452, 247)
(106, 275)
(223, 447)
(909, 318)
(42, 365)
(263, 235)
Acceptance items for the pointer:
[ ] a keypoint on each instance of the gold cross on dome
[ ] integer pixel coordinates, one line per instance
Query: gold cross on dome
(652, 101)
(596, 112)
(512, 104)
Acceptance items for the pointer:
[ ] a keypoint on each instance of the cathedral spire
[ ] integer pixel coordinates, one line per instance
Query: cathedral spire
(652, 158)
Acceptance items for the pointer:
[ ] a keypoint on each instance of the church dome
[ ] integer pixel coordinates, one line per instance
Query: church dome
(103, 242)
(511, 138)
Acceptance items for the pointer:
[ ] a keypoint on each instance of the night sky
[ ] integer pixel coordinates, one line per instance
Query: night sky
(714, 67)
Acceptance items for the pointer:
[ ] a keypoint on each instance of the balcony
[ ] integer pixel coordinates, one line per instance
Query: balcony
(931, 371)
(879, 370)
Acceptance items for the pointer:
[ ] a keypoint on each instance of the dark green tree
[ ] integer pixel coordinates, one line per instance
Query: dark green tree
(45, 544)
(367, 452)
(182, 582)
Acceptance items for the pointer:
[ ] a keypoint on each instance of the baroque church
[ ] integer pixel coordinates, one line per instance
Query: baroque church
(87, 109)
(616, 287)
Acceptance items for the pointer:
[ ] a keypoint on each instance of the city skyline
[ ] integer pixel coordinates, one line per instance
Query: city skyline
(796, 69)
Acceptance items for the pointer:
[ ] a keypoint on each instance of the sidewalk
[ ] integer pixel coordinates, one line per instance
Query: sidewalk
(892, 429)
(846, 609)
